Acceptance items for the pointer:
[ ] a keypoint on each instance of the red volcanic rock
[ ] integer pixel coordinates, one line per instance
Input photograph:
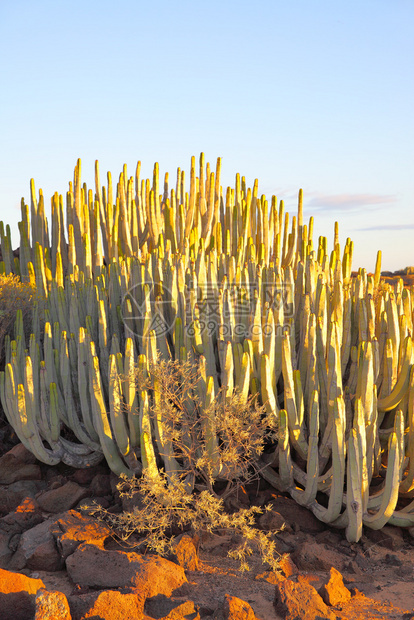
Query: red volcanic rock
(145, 575)
(271, 520)
(37, 549)
(270, 576)
(26, 515)
(388, 536)
(13, 494)
(300, 601)
(236, 609)
(334, 592)
(100, 485)
(51, 606)
(6, 551)
(12, 470)
(297, 517)
(170, 608)
(183, 611)
(312, 556)
(22, 454)
(85, 476)
(287, 566)
(74, 528)
(108, 604)
(63, 498)
(17, 595)
(185, 553)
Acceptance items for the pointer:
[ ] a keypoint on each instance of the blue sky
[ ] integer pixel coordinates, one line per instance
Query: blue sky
(308, 93)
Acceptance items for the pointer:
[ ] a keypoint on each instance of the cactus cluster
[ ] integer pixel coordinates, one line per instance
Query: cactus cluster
(230, 282)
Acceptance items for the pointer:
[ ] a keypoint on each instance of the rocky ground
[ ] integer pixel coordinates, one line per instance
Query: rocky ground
(57, 562)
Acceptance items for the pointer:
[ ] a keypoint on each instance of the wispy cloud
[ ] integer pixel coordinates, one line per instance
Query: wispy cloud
(348, 202)
(388, 227)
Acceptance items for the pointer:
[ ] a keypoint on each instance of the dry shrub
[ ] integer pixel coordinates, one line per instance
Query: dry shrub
(14, 295)
(215, 451)
(215, 445)
(168, 507)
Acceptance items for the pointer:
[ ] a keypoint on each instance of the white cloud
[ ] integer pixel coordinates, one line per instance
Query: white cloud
(388, 227)
(348, 202)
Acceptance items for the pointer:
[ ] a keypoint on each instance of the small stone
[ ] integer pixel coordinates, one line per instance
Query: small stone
(301, 601)
(74, 528)
(85, 476)
(410, 532)
(272, 521)
(51, 605)
(270, 576)
(108, 604)
(13, 494)
(56, 484)
(313, 556)
(6, 552)
(37, 549)
(185, 553)
(22, 454)
(12, 470)
(26, 515)
(333, 539)
(334, 592)
(405, 570)
(297, 516)
(286, 543)
(287, 566)
(392, 560)
(92, 566)
(100, 486)
(351, 567)
(165, 608)
(388, 536)
(185, 611)
(314, 579)
(236, 609)
(17, 595)
(62, 498)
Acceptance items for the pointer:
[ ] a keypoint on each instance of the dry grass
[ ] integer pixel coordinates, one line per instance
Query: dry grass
(211, 452)
(220, 441)
(14, 295)
(167, 508)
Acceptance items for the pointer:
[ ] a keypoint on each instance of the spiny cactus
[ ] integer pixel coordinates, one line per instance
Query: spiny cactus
(228, 282)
